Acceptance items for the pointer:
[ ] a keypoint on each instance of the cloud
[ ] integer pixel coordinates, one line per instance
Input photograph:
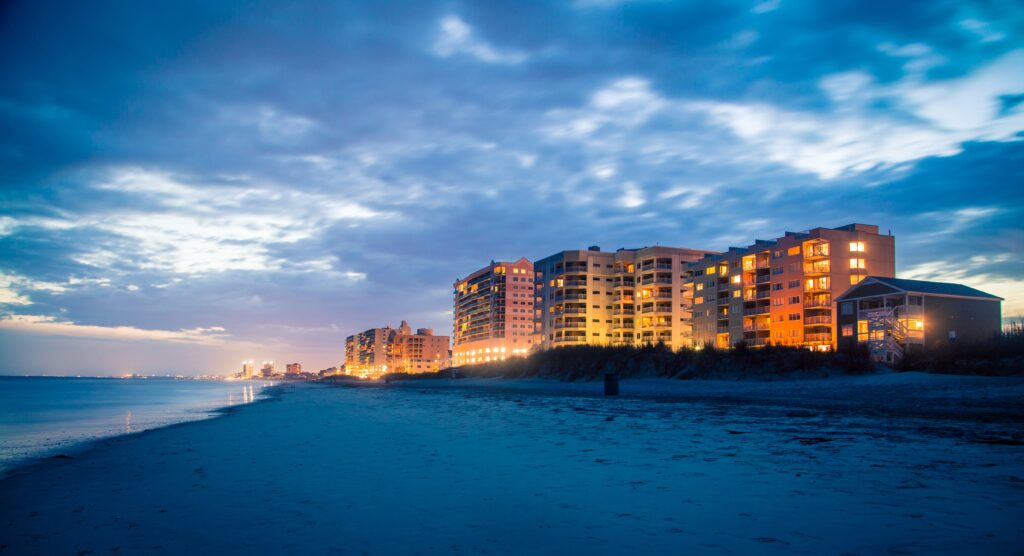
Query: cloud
(457, 37)
(196, 228)
(50, 326)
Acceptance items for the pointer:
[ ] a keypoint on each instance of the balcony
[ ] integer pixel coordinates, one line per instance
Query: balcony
(821, 319)
(622, 298)
(571, 311)
(630, 284)
(818, 302)
(818, 338)
(623, 324)
(755, 327)
(757, 295)
(818, 251)
(723, 329)
(570, 296)
(623, 310)
(570, 325)
(817, 268)
(663, 266)
(756, 311)
(763, 279)
(758, 342)
(573, 283)
(570, 340)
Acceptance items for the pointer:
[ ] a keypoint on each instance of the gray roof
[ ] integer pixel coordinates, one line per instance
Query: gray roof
(934, 288)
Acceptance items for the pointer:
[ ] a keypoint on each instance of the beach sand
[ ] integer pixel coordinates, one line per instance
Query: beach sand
(896, 464)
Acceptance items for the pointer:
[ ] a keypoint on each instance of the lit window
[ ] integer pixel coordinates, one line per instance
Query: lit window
(856, 263)
(856, 278)
(737, 293)
(847, 330)
(700, 286)
(712, 270)
(793, 250)
(856, 246)
(698, 301)
(736, 279)
(917, 325)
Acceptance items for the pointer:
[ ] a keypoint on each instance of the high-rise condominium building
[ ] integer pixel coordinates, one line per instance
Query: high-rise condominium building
(631, 296)
(783, 291)
(247, 369)
(377, 351)
(493, 313)
(268, 369)
(293, 369)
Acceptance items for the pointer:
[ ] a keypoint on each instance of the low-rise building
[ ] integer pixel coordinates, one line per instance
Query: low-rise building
(894, 315)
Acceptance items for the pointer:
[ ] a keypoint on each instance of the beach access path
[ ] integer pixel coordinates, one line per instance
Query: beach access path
(894, 464)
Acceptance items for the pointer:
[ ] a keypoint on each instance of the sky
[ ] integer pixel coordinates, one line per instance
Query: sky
(185, 185)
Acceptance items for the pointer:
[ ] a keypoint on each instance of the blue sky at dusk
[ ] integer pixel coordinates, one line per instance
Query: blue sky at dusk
(185, 185)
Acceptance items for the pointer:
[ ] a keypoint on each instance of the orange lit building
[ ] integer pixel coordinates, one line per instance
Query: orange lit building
(374, 352)
(629, 297)
(493, 313)
(783, 291)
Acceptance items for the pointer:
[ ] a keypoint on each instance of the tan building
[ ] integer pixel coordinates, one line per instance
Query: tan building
(293, 369)
(247, 369)
(783, 291)
(493, 313)
(630, 297)
(374, 352)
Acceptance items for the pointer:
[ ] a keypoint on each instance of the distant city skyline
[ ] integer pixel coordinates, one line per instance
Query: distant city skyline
(189, 186)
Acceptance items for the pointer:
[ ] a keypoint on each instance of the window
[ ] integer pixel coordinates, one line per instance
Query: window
(862, 330)
(777, 286)
(737, 293)
(793, 250)
(856, 246)
(847, 330)
(857, 263)
(778, 270)
(794, 316)
(794, 284)
(856, 278)
(712, 270)
(698, 300)
(736, 279)
(846, 308)
(700, 286)
(777, 301)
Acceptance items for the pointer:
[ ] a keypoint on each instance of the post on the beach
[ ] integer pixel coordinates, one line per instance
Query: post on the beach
(611, 384)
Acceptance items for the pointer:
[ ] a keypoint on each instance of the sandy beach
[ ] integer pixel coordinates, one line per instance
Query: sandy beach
(892, 464)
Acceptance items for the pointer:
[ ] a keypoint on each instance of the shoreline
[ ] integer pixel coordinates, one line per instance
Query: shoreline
(529, 470)
(80, 448)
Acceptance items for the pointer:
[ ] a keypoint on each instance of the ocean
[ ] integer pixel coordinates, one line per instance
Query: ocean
(44, 416)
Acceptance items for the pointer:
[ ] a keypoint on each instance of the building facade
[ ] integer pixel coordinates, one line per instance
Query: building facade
(248, 369)
(268, 369)
(374, 352)
(893, 316)
(293, 369)
(783, 291)
(493, 313)
(629, 297)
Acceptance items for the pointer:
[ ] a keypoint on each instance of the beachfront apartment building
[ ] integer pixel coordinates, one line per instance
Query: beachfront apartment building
(629, 297)
(293, 369)
(247, 369)
(493, 313)
(376, 351)
(783, 291)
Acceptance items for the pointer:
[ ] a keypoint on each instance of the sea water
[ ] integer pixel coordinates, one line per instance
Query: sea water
(45, 416)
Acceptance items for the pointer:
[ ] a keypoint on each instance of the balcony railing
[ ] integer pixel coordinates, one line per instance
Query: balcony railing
(756, 311)
(623, 311)
(622, 298)
(818, 302)
(571, 310)
(566, 296)
(628, 325)
(821, 319)
(723, 329)
(763, 279)
(821, 337)
(758, 342)
(573, 325)
(818, 267)
(755, 327)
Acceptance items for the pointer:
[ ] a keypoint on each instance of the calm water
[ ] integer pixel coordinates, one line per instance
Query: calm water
(42, 416)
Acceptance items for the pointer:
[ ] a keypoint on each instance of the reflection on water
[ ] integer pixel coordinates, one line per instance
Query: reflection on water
(128, 422)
